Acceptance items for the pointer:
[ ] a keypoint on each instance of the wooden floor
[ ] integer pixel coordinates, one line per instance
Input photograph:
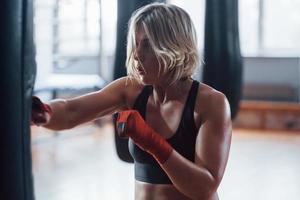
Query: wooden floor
(82, 164)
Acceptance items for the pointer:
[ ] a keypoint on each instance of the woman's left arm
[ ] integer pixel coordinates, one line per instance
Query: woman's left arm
(201, 179)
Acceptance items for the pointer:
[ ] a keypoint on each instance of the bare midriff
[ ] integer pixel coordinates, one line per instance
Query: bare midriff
(148, 191)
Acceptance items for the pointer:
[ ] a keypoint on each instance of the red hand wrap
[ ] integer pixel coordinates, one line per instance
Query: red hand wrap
(38, 105)
(131, 124)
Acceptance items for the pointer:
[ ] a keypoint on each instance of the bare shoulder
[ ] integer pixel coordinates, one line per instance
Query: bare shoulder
(212, 104)
(125, 83)
(130, 89)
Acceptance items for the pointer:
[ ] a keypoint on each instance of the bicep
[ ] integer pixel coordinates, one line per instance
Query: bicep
(96, 104)
(213, 140)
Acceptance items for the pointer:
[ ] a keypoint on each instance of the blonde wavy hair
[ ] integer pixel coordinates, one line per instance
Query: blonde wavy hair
(172, 36)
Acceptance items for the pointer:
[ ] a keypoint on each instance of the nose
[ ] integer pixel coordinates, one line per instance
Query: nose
(138, 55)
(135, 56)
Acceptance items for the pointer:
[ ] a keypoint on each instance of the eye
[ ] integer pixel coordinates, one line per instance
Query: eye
(146, 44)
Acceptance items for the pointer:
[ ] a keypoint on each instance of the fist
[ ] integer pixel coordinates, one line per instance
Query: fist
(127, 122)
(40, 112)
(131, 124)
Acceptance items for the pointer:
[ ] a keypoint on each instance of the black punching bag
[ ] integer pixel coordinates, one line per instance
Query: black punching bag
(17, 71)
(125, 10)
(222, 58)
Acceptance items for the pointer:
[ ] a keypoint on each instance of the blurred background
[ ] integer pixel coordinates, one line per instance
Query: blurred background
(76, 44)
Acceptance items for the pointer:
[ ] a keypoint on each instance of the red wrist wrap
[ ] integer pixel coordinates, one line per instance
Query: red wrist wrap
(37, 104)
(47, 108)
(131, 124)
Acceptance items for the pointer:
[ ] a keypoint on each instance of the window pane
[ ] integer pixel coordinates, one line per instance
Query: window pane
(78, 27)
(248, 21)
(109, 27)
(71, 10)
(282, 26)
(248, 26)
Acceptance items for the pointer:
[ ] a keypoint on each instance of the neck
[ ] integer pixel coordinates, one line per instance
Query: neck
(163, 93)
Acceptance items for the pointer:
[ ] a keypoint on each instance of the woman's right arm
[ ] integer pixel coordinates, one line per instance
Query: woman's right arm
(69, 113)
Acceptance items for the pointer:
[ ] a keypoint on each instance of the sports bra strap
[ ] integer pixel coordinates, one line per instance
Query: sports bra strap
(193, 95)
(142, 100)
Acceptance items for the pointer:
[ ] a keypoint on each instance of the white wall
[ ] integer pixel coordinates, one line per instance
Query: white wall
(267, 70)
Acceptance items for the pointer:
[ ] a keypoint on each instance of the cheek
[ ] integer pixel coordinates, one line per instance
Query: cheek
(152, 69)
(153, 64)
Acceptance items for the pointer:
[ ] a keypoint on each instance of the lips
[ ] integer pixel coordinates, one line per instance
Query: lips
(140, 70)
(141, 73)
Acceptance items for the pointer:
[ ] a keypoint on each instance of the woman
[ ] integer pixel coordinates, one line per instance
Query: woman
(179, 129)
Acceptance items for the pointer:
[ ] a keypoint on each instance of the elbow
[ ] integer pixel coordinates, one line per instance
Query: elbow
(206, 195)
(207, 192)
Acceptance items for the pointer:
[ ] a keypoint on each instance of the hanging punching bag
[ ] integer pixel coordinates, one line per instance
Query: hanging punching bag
(125, 9)
(16, 82)
(222, 58)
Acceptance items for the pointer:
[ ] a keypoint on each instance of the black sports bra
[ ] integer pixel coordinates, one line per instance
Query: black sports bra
(183, 141)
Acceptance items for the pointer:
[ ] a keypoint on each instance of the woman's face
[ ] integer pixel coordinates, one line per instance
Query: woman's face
(148, 65)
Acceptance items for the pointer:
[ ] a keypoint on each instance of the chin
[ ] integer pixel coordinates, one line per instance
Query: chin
(146, 81)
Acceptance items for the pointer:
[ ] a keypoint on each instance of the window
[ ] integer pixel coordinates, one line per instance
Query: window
(281, 29)
(77, 26)
(75, 37)
(270, 27)
(249, 22)
(76, 33)
(267, 27)
(67, 36)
